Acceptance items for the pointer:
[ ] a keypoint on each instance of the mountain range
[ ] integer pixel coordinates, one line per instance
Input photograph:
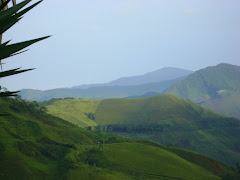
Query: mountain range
(163, 74)
(216, 88)
(156, 81)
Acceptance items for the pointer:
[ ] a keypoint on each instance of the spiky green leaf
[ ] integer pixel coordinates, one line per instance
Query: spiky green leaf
(2, 6)
(13, 10)
(8, 50)
(13, 72)
(8, 93)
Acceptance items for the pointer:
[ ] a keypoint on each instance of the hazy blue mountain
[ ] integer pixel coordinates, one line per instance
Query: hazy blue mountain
(163, 74)
(148, 94)
(156, 81)
(100, 92)
(216, 88)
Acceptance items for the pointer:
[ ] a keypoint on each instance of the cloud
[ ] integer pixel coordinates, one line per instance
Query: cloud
(189, 11)
(96, 28)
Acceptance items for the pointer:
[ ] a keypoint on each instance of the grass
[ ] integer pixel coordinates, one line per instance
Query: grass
(65, 108)
(35, 145)
(130, 158)
(227, 104)
(165, 119)
(216, 88)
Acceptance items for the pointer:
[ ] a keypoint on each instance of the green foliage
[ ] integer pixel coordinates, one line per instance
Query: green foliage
(238, 167)
(90, 115)
(78, 111)
(216, 88)
(164, 119)
(95, 157)
(8, 18)
(34, 145)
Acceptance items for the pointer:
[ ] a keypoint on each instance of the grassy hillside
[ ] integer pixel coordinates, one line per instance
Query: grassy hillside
(165, 119)
(216, 88)
(228, 104)
(82, 111)
(97, 92)
(35, 145)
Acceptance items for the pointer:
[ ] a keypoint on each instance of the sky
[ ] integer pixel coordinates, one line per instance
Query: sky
(96, 41)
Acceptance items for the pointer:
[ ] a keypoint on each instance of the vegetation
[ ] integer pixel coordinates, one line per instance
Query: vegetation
(164, 119)
(34, 145)
(9, 17)
(77, 111)
(216, 88)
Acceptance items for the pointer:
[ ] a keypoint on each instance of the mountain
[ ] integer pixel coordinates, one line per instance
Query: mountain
(35, 145)
(216, 88)
(165, 119)
(148, 94)
(97, 92)
(163, 74)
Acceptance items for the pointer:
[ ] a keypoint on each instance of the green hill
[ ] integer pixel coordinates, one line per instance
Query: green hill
(75, 111)
(35, 145)
(216, 88)
(165, 119)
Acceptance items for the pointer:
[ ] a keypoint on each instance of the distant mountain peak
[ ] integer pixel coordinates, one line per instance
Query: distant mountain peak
(162, 74)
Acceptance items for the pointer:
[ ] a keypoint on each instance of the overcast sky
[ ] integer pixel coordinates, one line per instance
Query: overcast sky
(95, 41)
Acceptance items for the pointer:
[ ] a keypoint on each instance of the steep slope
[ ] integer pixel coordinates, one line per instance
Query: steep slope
(165, 119)
(34, 145)
(80, 112)
(216, 88)
(97, 92)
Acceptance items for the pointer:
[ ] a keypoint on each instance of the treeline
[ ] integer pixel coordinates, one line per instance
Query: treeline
(20, 105)
(51, 101)
(131, 128)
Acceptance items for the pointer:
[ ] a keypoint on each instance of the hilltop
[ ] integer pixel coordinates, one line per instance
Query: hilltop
(164, 118)
(216, 88)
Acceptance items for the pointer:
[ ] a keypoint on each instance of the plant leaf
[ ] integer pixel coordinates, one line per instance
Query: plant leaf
(8, 93)
(2, 6)
(7, 51)
(5, 26)
(12, 72)
(9, 12)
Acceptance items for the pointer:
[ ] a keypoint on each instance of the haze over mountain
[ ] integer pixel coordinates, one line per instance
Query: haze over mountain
(156, 81)
(165, 119)
(215, 87)
(163, 74)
